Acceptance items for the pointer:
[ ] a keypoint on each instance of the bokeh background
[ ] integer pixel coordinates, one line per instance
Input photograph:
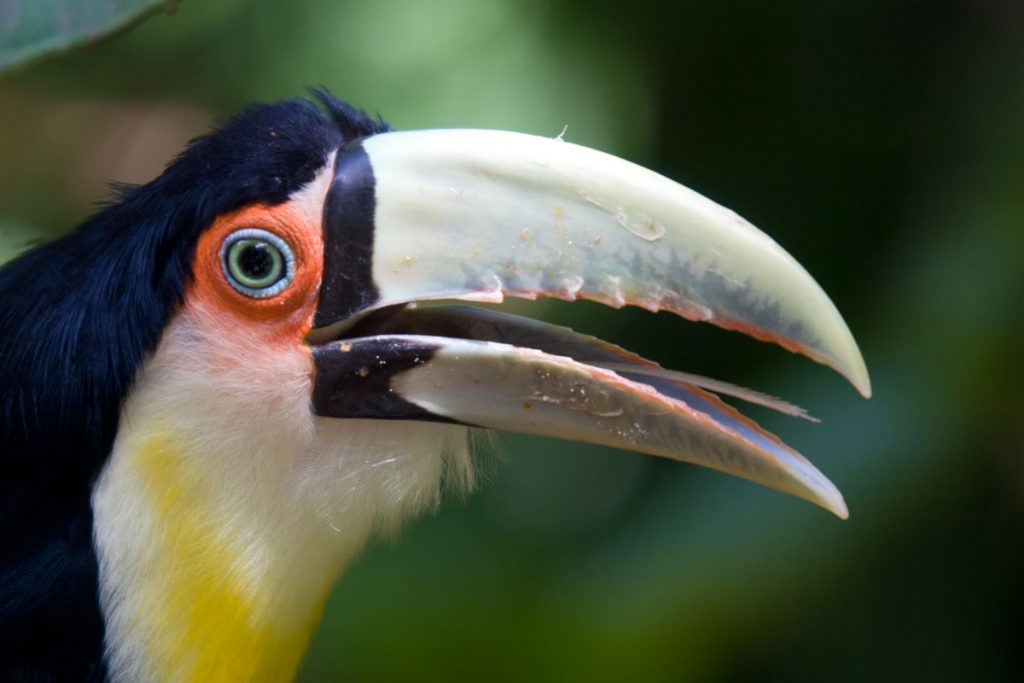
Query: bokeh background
(880, 141)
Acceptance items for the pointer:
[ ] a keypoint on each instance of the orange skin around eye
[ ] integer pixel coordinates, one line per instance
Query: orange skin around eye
(284, 319)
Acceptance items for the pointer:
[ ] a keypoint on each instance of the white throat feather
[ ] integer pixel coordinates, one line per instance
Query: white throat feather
(227, 509)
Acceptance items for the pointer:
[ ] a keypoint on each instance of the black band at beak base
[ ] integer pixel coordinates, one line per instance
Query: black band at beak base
(353, 379)
(348, 224)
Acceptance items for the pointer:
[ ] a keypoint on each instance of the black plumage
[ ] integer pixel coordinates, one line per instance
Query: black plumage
(77, 318)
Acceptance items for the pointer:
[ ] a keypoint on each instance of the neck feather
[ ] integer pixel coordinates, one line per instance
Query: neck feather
(227, 511)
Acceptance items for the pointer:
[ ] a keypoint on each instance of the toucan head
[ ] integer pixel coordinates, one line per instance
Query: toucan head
(291, 369)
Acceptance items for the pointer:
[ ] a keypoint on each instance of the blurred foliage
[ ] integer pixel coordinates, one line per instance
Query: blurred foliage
(32, 28)
(882, 143)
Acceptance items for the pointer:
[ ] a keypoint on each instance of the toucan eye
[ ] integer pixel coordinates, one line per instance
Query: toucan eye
(257, 263)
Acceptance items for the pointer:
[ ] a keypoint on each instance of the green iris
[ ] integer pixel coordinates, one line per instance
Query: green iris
(257, 263)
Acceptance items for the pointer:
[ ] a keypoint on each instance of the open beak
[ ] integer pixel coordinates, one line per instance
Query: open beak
(478, 215)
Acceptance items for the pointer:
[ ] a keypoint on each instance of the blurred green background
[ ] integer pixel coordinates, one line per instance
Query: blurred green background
(880, 142)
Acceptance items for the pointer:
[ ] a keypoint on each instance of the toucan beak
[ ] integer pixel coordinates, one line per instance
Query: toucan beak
(478, 215)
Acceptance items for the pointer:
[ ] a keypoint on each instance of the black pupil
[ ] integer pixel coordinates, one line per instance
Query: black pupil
(256, 261)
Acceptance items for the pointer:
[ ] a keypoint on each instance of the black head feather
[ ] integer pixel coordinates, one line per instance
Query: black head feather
(77, 318)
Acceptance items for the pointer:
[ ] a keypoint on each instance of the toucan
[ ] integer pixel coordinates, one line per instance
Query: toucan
(219, 386)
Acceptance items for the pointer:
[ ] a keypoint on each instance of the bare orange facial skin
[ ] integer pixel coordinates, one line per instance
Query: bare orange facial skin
(283, 319)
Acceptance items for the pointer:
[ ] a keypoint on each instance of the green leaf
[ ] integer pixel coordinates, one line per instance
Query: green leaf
(32, 28)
